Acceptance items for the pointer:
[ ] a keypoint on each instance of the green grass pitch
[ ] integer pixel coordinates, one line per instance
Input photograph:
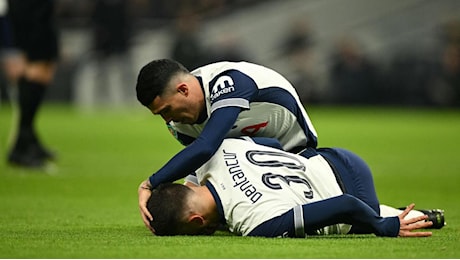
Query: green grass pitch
(86, 205)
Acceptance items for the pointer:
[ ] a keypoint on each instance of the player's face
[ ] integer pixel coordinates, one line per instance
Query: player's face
(178, 106)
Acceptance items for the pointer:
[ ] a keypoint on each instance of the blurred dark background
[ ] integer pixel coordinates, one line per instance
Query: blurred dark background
(354, 52)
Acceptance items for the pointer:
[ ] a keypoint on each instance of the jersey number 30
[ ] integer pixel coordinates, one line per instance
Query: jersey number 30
(276, 159)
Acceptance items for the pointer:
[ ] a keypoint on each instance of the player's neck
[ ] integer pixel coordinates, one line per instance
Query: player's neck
(205, 202)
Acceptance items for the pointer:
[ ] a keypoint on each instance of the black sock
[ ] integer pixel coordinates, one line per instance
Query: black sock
(30, 98)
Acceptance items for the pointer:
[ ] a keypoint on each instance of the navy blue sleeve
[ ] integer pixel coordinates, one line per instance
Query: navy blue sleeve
(342, 209)
(236, 85)
(267, 141)
(197, 153)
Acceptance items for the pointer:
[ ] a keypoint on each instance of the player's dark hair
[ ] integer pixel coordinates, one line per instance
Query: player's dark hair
(154, 77)
(167, 205)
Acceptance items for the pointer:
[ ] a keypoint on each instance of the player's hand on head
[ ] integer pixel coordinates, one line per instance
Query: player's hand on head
(146, 217)
(407, 226)
(144, 193)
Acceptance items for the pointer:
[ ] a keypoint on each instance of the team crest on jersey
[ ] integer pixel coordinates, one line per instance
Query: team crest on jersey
(222, 85)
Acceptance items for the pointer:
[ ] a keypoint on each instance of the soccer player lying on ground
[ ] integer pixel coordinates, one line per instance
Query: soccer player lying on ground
(263, 191)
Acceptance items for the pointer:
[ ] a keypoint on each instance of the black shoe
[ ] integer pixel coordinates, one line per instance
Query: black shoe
(42, 152)
(436, 216)
(27, 159)
(28, 145)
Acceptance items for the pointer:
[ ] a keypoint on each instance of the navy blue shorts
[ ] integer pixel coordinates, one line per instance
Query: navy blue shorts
(353, 174)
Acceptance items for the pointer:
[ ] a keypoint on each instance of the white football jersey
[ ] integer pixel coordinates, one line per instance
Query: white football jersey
(256, 183)
(271, 106)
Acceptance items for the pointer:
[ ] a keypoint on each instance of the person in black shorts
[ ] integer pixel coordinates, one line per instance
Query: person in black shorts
(35, 34)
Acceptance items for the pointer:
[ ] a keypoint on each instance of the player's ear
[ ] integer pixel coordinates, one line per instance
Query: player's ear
(196, 220)
(182, 88)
